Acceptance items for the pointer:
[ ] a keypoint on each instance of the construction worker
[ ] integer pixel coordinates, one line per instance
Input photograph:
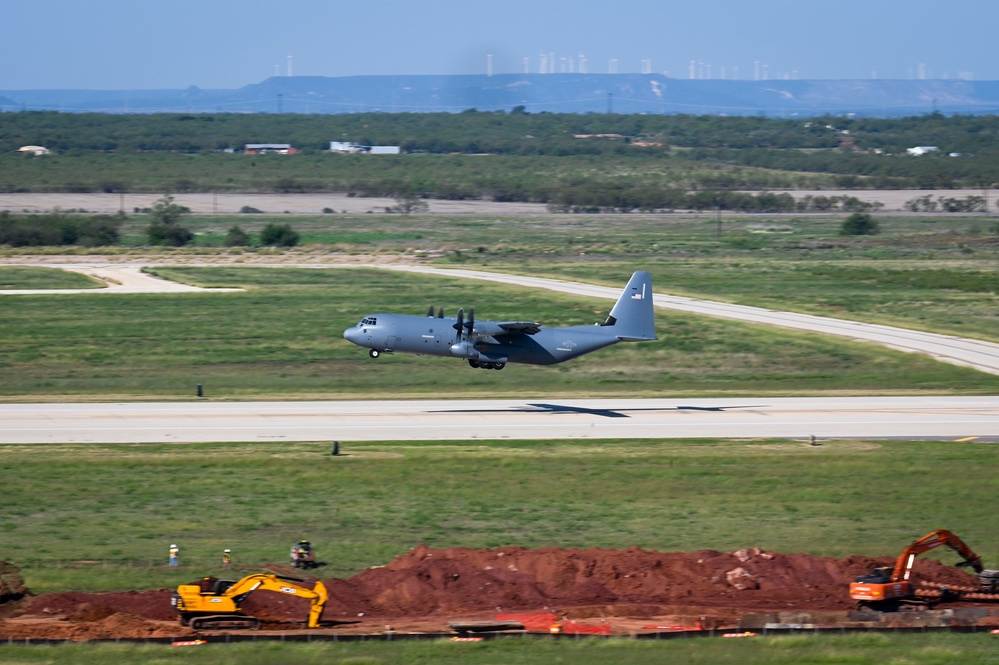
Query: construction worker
(174, 555)
(226, 558)
(302, 555)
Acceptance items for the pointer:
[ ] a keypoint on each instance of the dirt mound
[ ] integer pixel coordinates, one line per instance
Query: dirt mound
(76, 605)
(428, 584)
(447, 581)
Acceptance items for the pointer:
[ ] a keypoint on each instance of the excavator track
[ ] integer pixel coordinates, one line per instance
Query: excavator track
(956, 592)
(225, 621)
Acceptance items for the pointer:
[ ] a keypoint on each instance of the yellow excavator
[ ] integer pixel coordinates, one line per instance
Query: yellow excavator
(212, 603)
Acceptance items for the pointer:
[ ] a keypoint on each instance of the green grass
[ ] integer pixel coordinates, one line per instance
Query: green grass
(100, 517)
(950, 297)
(856, 649)
(283, 337)
(18, 277)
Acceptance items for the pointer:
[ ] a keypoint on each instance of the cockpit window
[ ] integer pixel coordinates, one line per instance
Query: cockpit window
(369, 321)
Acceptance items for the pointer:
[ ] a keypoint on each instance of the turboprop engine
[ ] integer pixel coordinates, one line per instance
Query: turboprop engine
(465, 349)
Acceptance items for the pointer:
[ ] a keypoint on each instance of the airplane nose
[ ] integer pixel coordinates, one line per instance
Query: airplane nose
(350, 334)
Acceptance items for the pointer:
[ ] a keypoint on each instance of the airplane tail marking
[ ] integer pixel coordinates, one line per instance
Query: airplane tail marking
(632, 316)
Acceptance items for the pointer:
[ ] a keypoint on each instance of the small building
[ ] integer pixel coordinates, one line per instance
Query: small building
(351, 148)
(264, 148)
(35, 150)
(922, 150)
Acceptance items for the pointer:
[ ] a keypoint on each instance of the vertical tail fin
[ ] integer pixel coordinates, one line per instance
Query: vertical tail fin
(632, 317)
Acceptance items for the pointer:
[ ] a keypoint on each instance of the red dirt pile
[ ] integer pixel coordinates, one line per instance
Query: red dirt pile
(426, 586)
(426, 581)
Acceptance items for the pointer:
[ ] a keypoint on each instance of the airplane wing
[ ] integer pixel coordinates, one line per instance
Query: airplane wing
(495, 328)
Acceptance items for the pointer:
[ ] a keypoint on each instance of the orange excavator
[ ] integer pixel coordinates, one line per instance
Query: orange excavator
(887, 588)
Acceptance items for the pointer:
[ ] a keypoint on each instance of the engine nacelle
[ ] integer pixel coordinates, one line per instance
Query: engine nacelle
(471, 351)
(465, 350)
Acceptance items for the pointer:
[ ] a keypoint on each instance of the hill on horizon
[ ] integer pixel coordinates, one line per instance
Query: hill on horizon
(535, 93)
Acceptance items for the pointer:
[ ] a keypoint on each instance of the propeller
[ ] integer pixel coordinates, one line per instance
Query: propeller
(440, 313)
(470, 324)
(460, 323)
(430, 312)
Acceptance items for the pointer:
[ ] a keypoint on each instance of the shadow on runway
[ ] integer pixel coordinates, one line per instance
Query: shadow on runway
(540, 407)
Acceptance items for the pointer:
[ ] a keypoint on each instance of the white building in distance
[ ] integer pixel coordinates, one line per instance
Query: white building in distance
(351, 148)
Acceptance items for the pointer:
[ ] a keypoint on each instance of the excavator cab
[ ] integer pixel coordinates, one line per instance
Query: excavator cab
(876, 576)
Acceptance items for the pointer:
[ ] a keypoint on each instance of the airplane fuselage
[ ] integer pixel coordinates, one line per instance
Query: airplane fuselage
(402, 333)
(493, 344)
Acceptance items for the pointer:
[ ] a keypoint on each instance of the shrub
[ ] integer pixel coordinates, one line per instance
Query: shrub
(236, 237)
(859, 224)
(172, 235)
(279, 235)
(164, 229)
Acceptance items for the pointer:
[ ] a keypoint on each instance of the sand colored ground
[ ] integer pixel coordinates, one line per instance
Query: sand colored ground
(313, 204)
(425, 589)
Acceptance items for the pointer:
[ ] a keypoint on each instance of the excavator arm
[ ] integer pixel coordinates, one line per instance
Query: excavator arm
(903, 565)
(316, 595)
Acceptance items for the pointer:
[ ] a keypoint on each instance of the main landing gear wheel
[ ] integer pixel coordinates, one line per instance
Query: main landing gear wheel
(485, 365)
(374, 353)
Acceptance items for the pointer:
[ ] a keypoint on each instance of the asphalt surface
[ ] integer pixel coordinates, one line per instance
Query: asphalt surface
(966, 419)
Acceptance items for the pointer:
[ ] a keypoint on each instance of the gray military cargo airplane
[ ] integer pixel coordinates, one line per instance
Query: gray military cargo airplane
(493, 344)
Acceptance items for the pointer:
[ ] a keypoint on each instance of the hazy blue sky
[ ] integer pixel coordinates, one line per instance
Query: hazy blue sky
(112, 44)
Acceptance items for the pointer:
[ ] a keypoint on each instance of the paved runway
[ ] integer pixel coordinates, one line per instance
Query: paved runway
(954, 418)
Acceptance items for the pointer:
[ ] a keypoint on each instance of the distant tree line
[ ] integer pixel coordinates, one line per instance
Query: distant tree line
(494, 132)
(165, 229)
(59, 229)
(607, 200)
(862, 152)
(695, 153)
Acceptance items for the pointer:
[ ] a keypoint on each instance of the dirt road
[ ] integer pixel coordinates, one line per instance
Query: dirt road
(313, 204)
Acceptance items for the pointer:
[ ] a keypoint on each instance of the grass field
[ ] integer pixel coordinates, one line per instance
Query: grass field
(120, 506)
(101, 517)
(283, 337)
(17, 277)
(858, 649)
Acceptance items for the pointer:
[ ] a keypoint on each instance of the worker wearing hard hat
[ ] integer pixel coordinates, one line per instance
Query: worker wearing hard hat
(174, 555)
(226, 558)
